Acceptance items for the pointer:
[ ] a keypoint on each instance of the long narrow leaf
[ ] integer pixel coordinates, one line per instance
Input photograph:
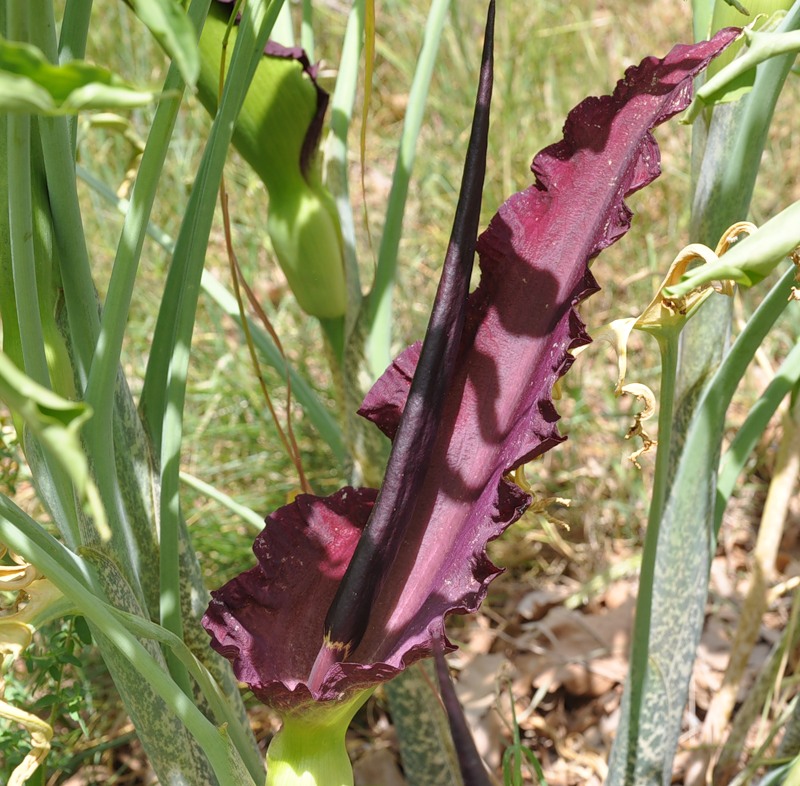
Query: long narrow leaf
(336, 162)
(786, 379)
(174, 31)
(176, 316)
(165, 381)
(125, 462)
(379, 306)
(80, 298)
(16, 531)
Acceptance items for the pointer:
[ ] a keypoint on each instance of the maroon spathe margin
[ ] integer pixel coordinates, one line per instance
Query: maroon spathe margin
(521, 323)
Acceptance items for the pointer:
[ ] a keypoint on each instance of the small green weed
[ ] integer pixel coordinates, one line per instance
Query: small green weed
(516, 754)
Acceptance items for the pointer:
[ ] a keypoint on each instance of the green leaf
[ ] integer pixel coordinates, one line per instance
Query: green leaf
(72, 660)
(742, 445)
(29, 82)
(173, 30)
(736, 79)
(82, 630)
(56, 423)
(750, 260)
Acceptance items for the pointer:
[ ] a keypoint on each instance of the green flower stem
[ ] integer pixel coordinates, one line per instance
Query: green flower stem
(379, 303)
(72, 44)
(305, 235)
(20, 216)
(793, 775)
(70, 242)
(334, 332)
(310, 750)
(668, 344)
(668, 340)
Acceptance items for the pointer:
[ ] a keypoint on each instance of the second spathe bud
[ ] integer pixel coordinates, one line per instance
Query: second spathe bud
(277, 133)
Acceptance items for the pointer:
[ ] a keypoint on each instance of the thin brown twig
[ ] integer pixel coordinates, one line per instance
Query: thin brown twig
(287, 437)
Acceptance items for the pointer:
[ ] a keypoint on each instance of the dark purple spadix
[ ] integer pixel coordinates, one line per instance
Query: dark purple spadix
(445, 488)
(416, 434)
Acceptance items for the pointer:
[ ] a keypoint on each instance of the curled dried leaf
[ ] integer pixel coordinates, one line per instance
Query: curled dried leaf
(648, 399)
(17, 576)
(539, 504)
(15, 636)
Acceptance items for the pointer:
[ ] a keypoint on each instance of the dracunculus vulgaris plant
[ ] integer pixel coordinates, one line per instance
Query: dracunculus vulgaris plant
(352, 588)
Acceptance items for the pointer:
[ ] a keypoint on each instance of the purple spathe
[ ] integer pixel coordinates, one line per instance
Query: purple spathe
(498, 413)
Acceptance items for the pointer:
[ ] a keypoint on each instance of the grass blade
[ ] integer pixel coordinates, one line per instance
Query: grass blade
(379, 302)
(786, 379)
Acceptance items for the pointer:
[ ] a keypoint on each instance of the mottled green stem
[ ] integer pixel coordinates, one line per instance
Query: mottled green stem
(668, 346)
(426, 745)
